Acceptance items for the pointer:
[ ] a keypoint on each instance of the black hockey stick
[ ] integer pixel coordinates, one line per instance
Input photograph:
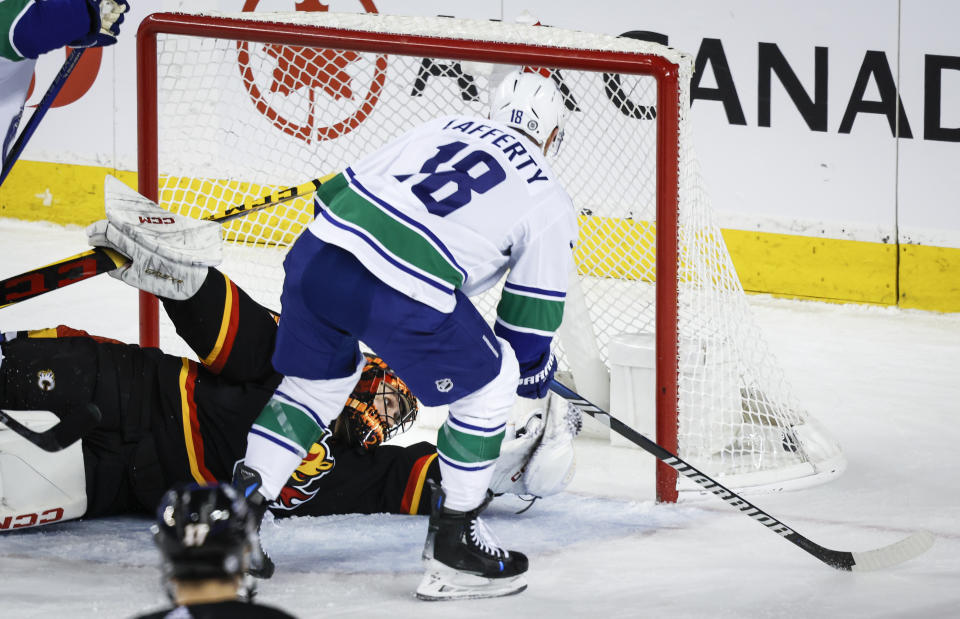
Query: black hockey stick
(73, 425)
(52, 91)
(898, 552)
(102, 260)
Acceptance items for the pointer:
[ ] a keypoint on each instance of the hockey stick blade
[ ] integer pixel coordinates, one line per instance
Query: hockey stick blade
(898, 552)
(102, 260)
(879, 558)
(71, 428)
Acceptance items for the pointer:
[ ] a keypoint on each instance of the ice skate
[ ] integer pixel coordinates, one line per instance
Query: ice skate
(462, 558)
(247, 482)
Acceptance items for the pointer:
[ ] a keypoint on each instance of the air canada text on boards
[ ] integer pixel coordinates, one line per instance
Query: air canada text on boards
(809, 99)
(875, 68)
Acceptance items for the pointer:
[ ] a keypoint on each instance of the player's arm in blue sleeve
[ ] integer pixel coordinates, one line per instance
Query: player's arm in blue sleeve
(532, 300)
(35, 27)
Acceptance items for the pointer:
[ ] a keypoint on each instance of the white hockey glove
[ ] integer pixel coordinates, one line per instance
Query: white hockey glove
(169, 254)
(539, 458)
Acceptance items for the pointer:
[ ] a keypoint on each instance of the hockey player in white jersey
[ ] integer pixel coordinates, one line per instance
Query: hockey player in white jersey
(401, 240)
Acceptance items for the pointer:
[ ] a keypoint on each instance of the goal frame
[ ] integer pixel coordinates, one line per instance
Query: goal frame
(665, 72)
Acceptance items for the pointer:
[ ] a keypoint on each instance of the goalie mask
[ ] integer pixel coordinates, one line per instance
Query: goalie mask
(532, 104)
(380, 407)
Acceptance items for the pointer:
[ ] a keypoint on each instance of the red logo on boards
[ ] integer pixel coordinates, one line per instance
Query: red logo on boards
(304, 77)
(80, 80)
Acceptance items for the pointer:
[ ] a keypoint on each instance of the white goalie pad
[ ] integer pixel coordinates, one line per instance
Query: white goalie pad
(38, 487)
(537, 456)
(169, 253)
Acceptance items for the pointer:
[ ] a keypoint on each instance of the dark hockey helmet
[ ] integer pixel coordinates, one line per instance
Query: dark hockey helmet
(381, 406)
(204, 532)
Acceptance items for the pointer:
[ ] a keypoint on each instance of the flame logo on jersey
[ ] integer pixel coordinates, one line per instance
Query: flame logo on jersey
(305, 480)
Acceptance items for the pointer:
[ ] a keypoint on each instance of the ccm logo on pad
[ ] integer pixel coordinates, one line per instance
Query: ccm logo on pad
(30, 520)
(156, 220)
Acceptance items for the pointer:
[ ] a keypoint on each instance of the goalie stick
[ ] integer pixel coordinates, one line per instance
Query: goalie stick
(70, 429)
(879, 558)
(102, 260)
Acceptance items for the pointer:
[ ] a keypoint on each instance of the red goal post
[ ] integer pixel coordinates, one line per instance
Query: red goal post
(382, 41)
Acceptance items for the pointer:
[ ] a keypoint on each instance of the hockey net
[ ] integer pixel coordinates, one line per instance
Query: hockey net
(233, 107)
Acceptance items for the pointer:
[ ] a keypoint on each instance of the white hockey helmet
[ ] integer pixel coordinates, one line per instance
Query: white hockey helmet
(530, 103)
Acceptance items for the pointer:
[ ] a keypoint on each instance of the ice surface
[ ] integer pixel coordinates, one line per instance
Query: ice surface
(883, 381)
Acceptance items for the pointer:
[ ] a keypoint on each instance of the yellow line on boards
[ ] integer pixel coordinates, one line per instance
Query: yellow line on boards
(912, 276)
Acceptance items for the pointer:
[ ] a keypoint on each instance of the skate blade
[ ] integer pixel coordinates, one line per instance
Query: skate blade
(442, 583)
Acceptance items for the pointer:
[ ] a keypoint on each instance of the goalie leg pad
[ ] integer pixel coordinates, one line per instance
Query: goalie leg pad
(37, 487)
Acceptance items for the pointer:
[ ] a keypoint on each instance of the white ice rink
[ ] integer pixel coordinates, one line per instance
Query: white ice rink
(884, 382)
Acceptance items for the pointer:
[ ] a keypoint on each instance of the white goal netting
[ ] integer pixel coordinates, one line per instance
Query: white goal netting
(237, 119)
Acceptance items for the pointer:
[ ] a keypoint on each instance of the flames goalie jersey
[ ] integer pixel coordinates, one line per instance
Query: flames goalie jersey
(455, 204)
(168, 419)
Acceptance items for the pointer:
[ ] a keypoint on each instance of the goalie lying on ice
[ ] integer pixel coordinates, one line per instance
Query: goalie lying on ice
(166, 419)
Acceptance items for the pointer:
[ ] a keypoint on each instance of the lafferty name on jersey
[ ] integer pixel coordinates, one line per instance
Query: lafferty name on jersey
(515, 151)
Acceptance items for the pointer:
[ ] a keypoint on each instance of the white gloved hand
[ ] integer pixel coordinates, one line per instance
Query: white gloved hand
(169, 253)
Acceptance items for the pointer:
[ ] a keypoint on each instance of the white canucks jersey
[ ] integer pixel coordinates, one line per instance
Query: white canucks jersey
(456, 203)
